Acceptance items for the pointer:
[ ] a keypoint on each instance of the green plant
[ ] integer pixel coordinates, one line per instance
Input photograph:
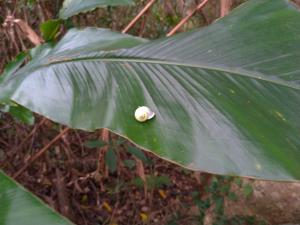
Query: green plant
(219, 189)
(226, 97)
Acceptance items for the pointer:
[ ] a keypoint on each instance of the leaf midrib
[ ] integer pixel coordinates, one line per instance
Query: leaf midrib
(239, 72)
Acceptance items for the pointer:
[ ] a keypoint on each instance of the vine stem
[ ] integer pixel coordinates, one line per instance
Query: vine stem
(141, 13)
(184, 20)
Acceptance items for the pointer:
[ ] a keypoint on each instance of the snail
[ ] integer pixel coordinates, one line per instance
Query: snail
(143, 113)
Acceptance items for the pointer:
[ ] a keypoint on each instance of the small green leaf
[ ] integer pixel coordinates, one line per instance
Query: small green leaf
(19, 112)
(50, 28)
(159, 181)
(111, 160)
(22, 114)
(152, 181)
(219, 204)
(94, 144)
(137, 181)
(232, 196)
(214, 186)
(121, 141)
(138, 153)
(247, 190)
(31, 3)
(225, 188)
(129, 163)
(238, 181)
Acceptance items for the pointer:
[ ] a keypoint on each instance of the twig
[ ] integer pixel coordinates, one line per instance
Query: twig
(20, 39)
(40, 12)
(105, 136)
(131, 24)
(143, 24)
(40, 153)
(63, 201)
(31, 134)
(184, 20)
(111, 219)
(12, 36)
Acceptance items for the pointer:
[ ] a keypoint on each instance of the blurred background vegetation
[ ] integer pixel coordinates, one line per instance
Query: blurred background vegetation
(156, 22)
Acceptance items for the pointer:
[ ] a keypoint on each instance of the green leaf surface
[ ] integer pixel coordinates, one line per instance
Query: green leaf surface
(111, 160)
(226, 97)
(50, 28)
(18, 112)
(138, 153)
(129, 163)
(73, 7)
(13, 66)
(247, 190)
(22, 114)
(20, 207)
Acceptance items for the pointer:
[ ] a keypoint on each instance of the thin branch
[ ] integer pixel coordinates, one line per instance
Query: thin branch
(30, 134)
(184, 20)
(131, 24)
(41, 152)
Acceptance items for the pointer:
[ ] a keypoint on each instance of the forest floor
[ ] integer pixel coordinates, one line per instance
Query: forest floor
(78, 178)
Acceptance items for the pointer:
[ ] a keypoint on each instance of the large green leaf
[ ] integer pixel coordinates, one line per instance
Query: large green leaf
(18, 112)
(73, 7)
(226, 98)
(14, 65)
(20, 207)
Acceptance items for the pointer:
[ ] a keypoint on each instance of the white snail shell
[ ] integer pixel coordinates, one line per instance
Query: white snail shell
(143, 113)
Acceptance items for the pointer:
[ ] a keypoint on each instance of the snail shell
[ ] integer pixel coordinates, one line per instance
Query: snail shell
(143, 113)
